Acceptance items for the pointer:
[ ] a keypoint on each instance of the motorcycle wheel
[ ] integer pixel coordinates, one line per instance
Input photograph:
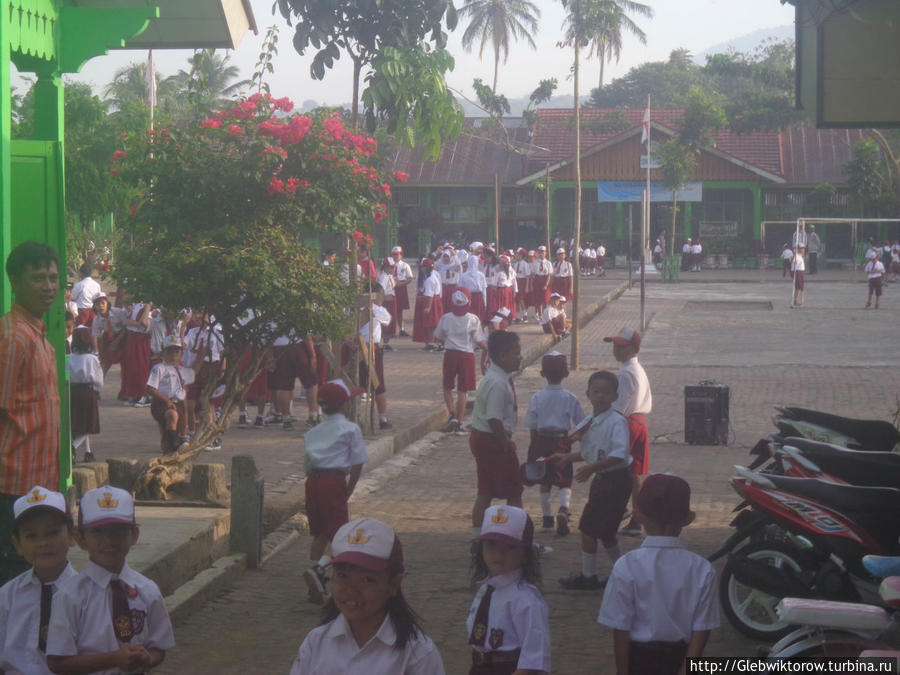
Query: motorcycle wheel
(750, 610)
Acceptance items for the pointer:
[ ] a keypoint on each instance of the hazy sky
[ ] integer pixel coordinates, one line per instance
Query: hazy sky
(693, 24)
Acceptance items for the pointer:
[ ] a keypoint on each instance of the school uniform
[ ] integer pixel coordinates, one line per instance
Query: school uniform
(552, 411)
(562, 278)
(517, 630)
(380, 319)
(332, 650)
(605, 435)
(332, 447)
(497, 467)
(660, 593)
(449, 274)
(135, 355)
(84, 293)
(21, 619)
(81, 621)
(601, 257)
(86, 380)
(402, 272)
(206, 343)
(875, 274)
(172, 381)
(553, 318)
(505, 295)
(635, 400)
(160, 329)
(523, 282)
(107, 330)
(474, 280)
(798, 267)
(541, 270)
(696, 256)
(386, 281)
(786, 256)
(685, 257)
(423, 319)
(490, 270)
(459, 335)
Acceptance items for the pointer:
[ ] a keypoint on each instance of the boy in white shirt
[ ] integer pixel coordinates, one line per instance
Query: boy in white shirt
(787, 255)
(403, 276)
(875, 274)
(459, 331)
(387, 281)
(167, 387)
(380, 319)
(42, 534)
(553, 320)
(798, 267)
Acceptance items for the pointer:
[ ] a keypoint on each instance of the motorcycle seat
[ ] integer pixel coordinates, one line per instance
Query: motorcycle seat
(871, 434)
(819, 449)
(858, 467)
(832, 614)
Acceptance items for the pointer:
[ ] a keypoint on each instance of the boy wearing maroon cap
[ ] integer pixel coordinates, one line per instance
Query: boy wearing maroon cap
(334, 451)
(661, 598)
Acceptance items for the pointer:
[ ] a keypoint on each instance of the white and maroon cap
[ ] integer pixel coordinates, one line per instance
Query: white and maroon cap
(541, 248)
(504, 312)
(369, 544)
(626, 336)
(106, 505)
(507, 524)
(41, 498)
(560, 250)
(461, 297)
(397, 249)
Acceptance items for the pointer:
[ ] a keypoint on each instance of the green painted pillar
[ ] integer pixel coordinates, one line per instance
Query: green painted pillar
(49, 108)
(686, 226)
(621, 225)
(5, 136)
(756, 191)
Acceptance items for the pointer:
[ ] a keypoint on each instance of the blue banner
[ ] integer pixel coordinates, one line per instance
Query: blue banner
(630, 191)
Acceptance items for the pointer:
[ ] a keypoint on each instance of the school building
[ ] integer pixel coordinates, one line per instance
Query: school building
(740, 181)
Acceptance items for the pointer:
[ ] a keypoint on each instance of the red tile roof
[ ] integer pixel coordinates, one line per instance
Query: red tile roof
(813, 156)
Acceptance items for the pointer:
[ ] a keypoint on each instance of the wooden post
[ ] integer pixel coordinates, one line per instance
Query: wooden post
(576, 272)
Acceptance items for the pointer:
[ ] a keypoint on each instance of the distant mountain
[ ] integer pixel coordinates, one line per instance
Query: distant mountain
(747, 43)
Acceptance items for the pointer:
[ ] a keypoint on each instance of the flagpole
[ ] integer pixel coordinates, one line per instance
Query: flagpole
(151, 85)
(645, 225)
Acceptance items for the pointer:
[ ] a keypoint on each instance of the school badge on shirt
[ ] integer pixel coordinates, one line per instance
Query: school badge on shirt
(496, 639)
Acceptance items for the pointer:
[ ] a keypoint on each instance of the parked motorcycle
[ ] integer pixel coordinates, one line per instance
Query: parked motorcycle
(803, 537)
(855, 434)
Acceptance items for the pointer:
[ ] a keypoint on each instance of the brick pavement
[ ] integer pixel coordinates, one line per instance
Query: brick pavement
(257, 625)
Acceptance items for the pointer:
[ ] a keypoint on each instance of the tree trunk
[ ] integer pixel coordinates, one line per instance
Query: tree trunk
(496, 70)
(602, 68)
(357, 69)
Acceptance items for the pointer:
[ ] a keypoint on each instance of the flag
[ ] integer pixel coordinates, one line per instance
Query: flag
(151, 80)
(645, 132)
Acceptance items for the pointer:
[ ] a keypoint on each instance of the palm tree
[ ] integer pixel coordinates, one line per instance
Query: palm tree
(606, 21)
(129, 85)
(499, 21)
(210, 81)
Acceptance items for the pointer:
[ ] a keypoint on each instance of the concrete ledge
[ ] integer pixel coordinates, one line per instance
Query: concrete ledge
(205, 585)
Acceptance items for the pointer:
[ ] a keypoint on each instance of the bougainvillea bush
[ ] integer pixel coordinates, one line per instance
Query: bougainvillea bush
(221, 210)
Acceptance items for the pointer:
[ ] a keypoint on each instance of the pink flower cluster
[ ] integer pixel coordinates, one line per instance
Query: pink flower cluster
(288, 133)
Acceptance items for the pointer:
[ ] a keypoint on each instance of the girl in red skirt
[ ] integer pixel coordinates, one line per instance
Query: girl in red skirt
(429, 307)
(136, 355)
(448, 268)
(489, 266)
(523, 283)
(473, 280)
(505, 284)
(561, 282)
(86, 377)
(385, 279)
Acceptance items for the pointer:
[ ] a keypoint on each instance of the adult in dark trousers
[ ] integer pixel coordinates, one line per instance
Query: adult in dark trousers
(29, 398)
(813, 247)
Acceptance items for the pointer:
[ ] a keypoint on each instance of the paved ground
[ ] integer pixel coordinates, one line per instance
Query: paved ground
(831, 355)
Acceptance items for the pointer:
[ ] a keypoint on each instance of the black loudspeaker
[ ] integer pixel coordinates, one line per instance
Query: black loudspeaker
(706, 414)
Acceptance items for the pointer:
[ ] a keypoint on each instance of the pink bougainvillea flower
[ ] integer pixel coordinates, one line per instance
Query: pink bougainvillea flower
(235, 131)
(253, 98)
(284, 104)
(334, 127)
(295, 130)
(291, 185)
(132, 210)
(379, 212)
(304, 184)
(275, 185)
(401, 176)
(113, 173)
(211, 124)
(119, 154)
(386, 190)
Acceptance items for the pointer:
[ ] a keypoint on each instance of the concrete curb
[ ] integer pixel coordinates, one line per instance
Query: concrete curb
(208, 583)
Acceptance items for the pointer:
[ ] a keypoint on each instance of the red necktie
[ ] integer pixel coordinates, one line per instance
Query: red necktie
(121, 612)
(46, 602)
(479, 628)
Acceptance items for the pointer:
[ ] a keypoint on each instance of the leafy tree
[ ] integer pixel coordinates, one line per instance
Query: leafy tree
(221, 210)
(678, 163)
(703, 116)
(867, 178)
(498, 22)
(210, 83)
(264, 65)
(605, 21)
(666, 80)
(542, 93)
(496, 105)
(362, 29)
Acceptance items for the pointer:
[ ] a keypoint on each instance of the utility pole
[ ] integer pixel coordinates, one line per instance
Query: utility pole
(576, 272)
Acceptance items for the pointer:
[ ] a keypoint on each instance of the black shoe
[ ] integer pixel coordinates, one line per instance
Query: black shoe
(562, 521)
(403, 333)
(89, 457)
(632, 529)
(243, 420)
(385, 424)
(579, 582)
(428, 348)
(547, 525)
(387, 347)
(259, 423)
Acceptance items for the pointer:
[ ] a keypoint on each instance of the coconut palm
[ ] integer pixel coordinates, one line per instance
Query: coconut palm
(210, 81)
(499, 22)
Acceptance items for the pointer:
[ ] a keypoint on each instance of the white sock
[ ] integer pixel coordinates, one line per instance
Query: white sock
(545, 504)
(476, 532)
(614, 553)
(565, 497)
(78, 441)
(324, 560)
(87, 444)
(588, 564)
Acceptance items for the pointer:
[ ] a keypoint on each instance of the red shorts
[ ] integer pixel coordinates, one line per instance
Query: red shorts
(562, 285)
(544, 446)
(364, 370)
(260, 384)
(606, 503)
(640, 444)
(326, 503)
(459, 367)
(875, 286)
(390, 305)
(303, 369)
(85, 317)
(158, 410)
(799, 280)
(498, 468)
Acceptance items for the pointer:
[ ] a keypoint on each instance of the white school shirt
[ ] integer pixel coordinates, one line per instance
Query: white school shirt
(787, 254)
(686, 248)
(332, 650)
(607, 437)
(517, 619)
(386, 281)
(334, 443)
(448, 271)
(85, 292)
(474, 280)
(85, 369)
(657, 249)
(553, 408)
(495, 400)
(696, 248)
(170, 381)
(523, 269)
(159, 329)
(660, 592)
(798, 264)
(195, 345)
(550, 312)
(542, 267)
(402, 271)
(601, 251)
(871, 252)
(432, 285)
(459, 333)
(874, 269)
(380, 317)
(81, 619)
(72, 308)
(20, 621)
(562, 269)
(634, 389)
(135, 314)
(505, 279)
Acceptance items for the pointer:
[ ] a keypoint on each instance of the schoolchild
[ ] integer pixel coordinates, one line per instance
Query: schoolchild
(42, 534)
(875, 274)
(523, 284)
(334, 458)
(86, 380)
(798, 268)
(107, 331)
(635, 400)
(429, 306)
(136, 355)
(541, 271)
(553, 320)
(70, 322)
(163, 323)
(657, 253)
(109, 619)
(895, 262)
(204, 350)
(448, 267)
(508, 622)
(473, 280)
(386, 280)
(367, 626)
(84, 293)
(661, 598)
(494, 419)
(380, 319)
(70, 305)
(552, 412)
(489, 265)
(365, 264)
(686, 263)
(696, 255)
(561, 282)
(787, 255)
(403, 276)
(167, 386)
(601, 260)
(604, 448)
(459, 331)
(504, 279)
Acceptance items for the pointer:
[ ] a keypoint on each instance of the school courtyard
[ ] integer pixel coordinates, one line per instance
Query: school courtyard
(735, 328)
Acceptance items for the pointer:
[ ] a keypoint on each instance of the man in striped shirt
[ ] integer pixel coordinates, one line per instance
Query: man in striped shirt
(29, 398)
